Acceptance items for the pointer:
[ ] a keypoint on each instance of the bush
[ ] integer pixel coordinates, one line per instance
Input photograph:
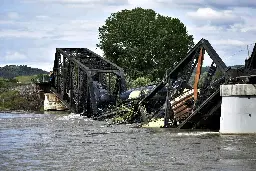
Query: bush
(139, 82)
(13, 100)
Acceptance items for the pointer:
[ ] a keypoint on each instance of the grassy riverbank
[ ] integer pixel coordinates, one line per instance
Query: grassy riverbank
(15, 100)
(17, 91)
(17, 96)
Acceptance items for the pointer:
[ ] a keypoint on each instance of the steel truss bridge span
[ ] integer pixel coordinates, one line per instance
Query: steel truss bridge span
(84, 81)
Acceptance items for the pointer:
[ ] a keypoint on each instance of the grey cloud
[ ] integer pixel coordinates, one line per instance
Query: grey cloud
(13, 15)
(181, 3)
(84, 2)
(225, 18)
(13, 57)
(8, 33)
(226, 4)
(73, 30)
(230, 44)
(250, 30)
(219, 4)
(116, 2)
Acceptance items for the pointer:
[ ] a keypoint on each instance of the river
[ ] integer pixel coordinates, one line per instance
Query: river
(72, 142)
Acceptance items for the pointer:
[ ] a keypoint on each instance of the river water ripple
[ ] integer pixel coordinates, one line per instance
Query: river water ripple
(71, 142)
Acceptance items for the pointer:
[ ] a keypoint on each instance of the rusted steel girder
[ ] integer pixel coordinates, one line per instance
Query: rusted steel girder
(198, 73)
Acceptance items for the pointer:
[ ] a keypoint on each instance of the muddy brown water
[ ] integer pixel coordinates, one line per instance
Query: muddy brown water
(71, 142)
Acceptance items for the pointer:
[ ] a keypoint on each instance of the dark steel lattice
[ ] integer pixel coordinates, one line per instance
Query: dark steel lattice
(77, 71)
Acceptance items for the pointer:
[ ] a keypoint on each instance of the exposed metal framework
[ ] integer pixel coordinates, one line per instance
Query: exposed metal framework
(194, 106)
(82, 79)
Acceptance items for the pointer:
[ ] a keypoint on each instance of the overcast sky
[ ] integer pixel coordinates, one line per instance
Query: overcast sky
(31, 30)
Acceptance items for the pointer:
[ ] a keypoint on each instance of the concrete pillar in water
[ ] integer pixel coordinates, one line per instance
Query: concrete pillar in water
(238, 109)
(52, 102)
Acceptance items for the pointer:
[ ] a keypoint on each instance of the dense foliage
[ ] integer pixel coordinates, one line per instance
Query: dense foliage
(16, 96)
(138, 82)
(15, 90)
(13, 100)
(11, 71)
(7, 83)
(143, 42)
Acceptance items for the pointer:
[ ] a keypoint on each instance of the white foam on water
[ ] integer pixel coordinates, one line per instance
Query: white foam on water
(196, 133)
(231, 148)
(72, 116)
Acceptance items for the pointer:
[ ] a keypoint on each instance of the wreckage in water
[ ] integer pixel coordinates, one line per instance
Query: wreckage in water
(186, 98)
(193, 104)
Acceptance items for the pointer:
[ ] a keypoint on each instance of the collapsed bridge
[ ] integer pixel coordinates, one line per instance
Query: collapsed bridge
(186, 98)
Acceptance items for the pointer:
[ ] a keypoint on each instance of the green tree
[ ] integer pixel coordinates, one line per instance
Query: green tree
(139, 82)
(143, 42)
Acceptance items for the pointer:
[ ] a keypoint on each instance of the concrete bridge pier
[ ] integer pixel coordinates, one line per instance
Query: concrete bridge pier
(238, 109)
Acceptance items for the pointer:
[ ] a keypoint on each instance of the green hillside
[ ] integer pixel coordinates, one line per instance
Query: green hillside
(12, 71)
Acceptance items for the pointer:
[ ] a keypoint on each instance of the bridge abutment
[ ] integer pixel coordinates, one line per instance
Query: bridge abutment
(238, 109)
(52, 102)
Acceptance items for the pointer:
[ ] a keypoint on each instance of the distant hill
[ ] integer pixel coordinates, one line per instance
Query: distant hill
(11, 71)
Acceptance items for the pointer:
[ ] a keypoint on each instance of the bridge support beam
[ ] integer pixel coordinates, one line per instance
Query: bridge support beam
(238, 109)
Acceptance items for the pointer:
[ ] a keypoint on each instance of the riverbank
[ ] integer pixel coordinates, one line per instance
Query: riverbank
(21, 112)
(32, 112)
(20, 98)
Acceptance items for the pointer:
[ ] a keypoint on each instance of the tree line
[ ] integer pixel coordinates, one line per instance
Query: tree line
(11, 71)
